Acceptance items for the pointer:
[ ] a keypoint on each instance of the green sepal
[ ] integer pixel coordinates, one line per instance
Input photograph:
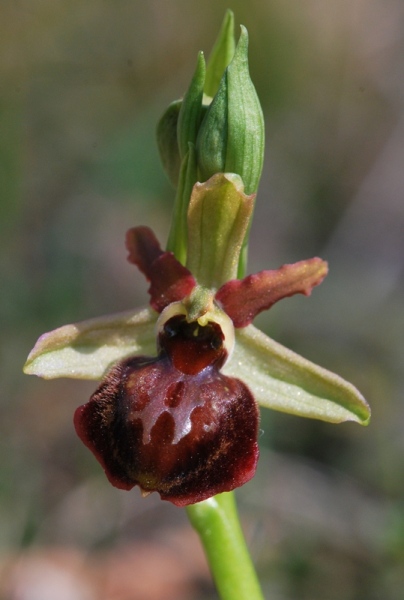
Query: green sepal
(218, 216)
(167, 142)
(191, 108)
(282, 380)
(231, 136)
(86, 350)
(221, 55)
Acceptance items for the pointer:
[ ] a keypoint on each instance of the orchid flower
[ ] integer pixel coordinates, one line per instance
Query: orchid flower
(181, 380)
(177, 409)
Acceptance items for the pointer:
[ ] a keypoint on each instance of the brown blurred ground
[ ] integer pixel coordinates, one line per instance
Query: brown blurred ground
(82, 86)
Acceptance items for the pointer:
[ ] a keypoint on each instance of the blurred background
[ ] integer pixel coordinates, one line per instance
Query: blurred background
(82, 87)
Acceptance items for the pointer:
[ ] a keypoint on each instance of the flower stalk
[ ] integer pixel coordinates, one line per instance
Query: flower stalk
(217, 523)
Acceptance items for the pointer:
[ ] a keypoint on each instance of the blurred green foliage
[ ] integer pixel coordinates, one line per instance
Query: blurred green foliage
(82, 88)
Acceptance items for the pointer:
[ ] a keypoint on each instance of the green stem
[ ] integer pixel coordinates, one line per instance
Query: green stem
(217, 523)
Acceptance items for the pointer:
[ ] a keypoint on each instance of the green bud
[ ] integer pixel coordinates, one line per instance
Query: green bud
(180, 123)
(231, 136)
(221, 55)
(167, 142)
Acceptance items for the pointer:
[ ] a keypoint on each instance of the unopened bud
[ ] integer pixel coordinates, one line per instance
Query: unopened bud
(231, 136)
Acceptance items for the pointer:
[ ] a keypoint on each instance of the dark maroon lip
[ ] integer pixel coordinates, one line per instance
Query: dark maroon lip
(174, 423)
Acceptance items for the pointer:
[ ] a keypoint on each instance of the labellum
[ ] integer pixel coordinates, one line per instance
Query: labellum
(174, 423)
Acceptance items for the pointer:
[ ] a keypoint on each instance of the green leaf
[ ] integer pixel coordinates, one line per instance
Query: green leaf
(285, 381)
(218, 216)
(221, 55)
(86, 350)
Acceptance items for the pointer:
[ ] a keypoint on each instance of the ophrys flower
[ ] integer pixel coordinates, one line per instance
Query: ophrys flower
(177, 409)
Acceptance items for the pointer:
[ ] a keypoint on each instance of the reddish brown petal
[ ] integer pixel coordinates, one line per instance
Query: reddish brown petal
(169, 280)
(187, 433)
(244, 299)
(143, 248)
